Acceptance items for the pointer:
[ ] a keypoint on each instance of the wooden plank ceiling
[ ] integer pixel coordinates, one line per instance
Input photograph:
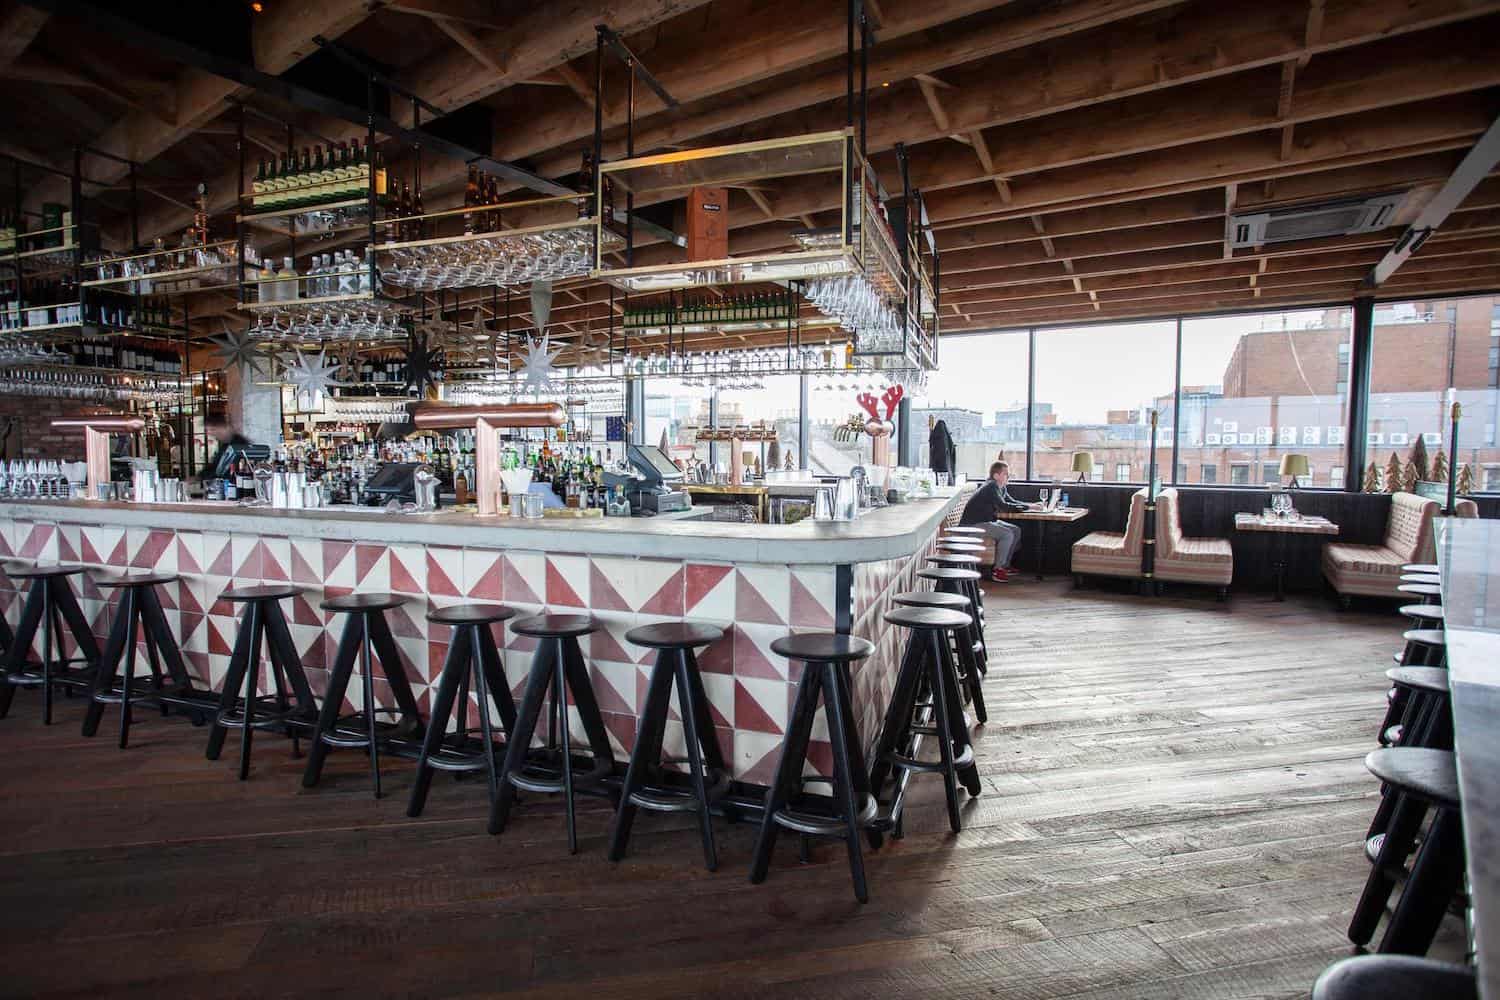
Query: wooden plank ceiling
(1079, 158)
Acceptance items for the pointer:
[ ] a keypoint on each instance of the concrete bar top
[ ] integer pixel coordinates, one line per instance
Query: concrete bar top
(886, 533)
(1469, 553)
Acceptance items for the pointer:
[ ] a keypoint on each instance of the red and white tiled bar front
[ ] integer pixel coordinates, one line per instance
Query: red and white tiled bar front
(758, 582)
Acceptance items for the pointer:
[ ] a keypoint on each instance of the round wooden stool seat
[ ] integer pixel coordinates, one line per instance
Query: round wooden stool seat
(823, 647)
(41, 570)
(1431, 578)
(674, 635)
(555, 626)
(1427, 612)
(1394, 977)
(1421, 568)
(1421, 678)
(356, 603)
(954, 559)
(928, 618)
(138, 580)
(1425, 636)
(963, 529)
(471, 614)
(1421, 589)
(932, 599)
(1430, 774)
(947, 573)
(261, 592)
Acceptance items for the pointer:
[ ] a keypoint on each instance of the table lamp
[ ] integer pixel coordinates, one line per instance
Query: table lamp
(1083, 464)
(1294, 464)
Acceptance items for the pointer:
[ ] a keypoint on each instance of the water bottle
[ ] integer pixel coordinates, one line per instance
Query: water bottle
(1063, 503)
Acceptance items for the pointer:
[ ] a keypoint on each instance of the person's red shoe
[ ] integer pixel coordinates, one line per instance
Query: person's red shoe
(998, 575)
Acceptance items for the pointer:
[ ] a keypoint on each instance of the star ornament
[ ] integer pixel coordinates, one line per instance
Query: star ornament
(424, 365)
(238, 350)
(311, 377)
(538, 364)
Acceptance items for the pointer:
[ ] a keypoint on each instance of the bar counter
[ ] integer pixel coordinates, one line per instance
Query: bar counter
(1469, 553)
(756, 581)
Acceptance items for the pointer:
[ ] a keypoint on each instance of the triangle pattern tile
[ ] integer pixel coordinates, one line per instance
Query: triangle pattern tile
(525, 577)
(338, 568)
(189, 552)
(752, 652)
(276, 558)
(484, 575)
(568, 579)
(755, 757)
(303, 557)
(408, 574)
(759, 706)
(614, 687)
(218, 556)
(372, 567)
(246, 552)
(807, 611)
(604, 592)
(445, 567)
(750, 605)
(663, 581)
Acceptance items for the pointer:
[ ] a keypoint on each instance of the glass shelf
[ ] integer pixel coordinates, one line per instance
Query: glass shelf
(720, 166)
(799, 265)
(342, 216)
(214, 263)
(505, 257)
(361, 316)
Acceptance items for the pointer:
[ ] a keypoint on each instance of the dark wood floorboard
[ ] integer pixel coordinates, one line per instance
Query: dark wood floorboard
(1174, 801)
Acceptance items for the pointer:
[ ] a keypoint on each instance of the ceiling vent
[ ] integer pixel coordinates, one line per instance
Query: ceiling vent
(1306, 222)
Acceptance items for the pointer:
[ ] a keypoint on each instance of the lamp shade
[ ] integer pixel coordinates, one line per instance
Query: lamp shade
(1083, 463)
(1294, 464)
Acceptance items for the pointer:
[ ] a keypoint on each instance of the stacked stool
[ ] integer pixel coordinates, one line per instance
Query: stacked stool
(1418, 780)
(927, 671)
(262, 626)
(674, 643)
(49, 604)
(971, 677)
(140, 610)
(1395, 977)
(964, 583)
(557, 670)
(364, 630)
(825, 660)
(472, 655)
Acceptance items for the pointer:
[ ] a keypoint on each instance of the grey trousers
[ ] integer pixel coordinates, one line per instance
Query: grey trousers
(1007, 538)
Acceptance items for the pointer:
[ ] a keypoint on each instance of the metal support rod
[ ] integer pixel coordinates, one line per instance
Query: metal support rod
(864, 79)
(629, 59)
(1359, 392)
(630, 152)
(135, 212)
(239, 199)
(1177, 403)
(370, 192)
(802, 423)
(1030, 397)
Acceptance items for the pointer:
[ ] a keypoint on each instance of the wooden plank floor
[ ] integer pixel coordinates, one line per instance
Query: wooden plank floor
(1173, 809)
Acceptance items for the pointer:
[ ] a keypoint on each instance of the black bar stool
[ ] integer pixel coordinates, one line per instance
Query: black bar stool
(965, 583)
(674, 643)
(1395, 977)
(140, 609)
(49, 604)
(1430, 593)
(970, 679)
(363, 629)
(972, 530)
(262, 625)
(471, 654)
(1425, 647)
(1419, 779)
(1424, 615)
(557, 668)
(1417, 714)
(926, 671)
(825, 657)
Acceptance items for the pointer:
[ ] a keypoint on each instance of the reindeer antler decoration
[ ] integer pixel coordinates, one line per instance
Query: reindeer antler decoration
(868, 403)
(891, 398)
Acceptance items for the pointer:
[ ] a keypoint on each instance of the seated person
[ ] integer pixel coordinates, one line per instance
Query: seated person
(981, 510)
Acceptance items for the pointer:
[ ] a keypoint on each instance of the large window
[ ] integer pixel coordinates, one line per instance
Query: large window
(1420, 349)
(1258, 386)
(979, 393)
(831, 402)
(1095, 390)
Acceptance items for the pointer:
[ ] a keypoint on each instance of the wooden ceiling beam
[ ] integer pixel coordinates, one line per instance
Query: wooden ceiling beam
(279, 39)
(19, 25)
(906, 49)
(483, 53)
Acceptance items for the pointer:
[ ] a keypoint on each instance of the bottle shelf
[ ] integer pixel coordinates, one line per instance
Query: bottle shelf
(344, 215)
(505, 257)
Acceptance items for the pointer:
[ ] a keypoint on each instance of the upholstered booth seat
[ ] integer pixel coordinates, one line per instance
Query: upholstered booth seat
(1206, 561)
(1113, 553)
(1375, 570)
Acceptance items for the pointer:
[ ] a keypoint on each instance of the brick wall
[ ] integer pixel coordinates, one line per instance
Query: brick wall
(31, 435)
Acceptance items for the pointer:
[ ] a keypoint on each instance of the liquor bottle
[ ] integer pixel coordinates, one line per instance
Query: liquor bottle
(380, 174)
(586, 185)
(416, 209)
(471, 198)
(258, 186)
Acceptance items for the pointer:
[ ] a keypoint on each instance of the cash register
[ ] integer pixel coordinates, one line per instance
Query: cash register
(655, 483)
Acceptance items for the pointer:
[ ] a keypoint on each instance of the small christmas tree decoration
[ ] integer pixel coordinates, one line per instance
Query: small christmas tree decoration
(1409, 477)
(1372, 479)
(1465, 479)
(1418, 458)
(1440, 467)
(1393, 474)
